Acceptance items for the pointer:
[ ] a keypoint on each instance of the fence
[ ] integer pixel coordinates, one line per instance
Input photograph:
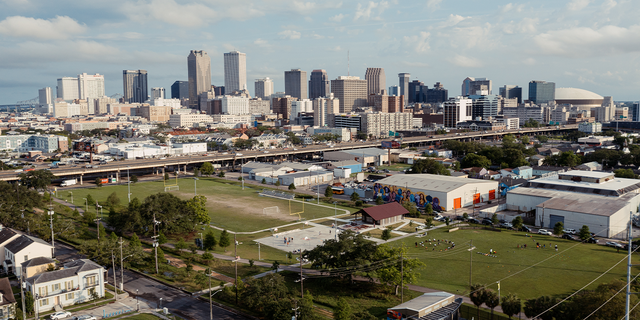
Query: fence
(277, 194)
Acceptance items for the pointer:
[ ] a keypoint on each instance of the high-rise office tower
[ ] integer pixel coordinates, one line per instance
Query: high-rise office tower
(350, 91)
(376, 83)
(404, 86)
(199, 68)
(322, 108)
(295, 83)
(157, 93)
(471, 85)
(67, 88)
(235, 71)
(456, 110)
(45, 96)
(134, 85)
(635, 111)
(542, 92)
(264, 88)
(282, 106)
(393, 91)
(437, 95)
(180, 90)
(90, 86)
(415, 92)
(510, 92)
(318, 84)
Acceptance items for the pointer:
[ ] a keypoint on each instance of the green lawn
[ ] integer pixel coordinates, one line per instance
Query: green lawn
(229, 206)
(562, 273)
(141, 316)
(395, 167)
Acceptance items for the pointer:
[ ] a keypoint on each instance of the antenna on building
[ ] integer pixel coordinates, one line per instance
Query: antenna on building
(348, 63)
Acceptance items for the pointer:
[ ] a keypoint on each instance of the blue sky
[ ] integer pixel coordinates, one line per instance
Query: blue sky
(588, 44)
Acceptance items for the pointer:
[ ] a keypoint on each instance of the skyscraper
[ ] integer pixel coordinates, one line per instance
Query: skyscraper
(295, 83)
(180, 90)
(157, 93)
(456, 110)
(404, 86)
(510, 92)
(393, 90)
(470, 85)
(322, 108)
(376, 83)
(45, 96)
(415, 92)
(235, 71)
(264, 88)
(134, 84)
(67, 88)
(350, 91)
(90, 86)
(318, 84)
(199, 68)
(542, 92)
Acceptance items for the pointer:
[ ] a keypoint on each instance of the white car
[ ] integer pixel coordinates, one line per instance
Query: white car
(545, 231)
(569, 231)
(85, 317)
(19, 170)
(60, 315)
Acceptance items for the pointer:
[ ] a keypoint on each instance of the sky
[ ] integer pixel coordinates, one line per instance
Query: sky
(588, 44)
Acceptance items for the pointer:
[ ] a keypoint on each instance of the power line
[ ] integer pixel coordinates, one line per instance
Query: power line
(613, 296)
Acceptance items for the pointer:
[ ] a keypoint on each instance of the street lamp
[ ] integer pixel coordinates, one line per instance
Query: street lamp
(137, 301)
(160, 303)
(195, 187)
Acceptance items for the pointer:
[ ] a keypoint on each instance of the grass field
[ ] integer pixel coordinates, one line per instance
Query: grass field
(529, 272)
(229, 206)
(395, 167)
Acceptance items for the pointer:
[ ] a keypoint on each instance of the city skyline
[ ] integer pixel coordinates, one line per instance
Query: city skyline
(584, 44)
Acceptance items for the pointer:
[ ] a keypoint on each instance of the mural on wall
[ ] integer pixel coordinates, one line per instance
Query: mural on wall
(394, 193)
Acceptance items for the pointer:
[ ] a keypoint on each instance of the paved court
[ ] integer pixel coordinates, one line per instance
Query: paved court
(307, 239)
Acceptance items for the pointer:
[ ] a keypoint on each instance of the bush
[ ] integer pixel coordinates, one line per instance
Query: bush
(221, 174)
(277, 184)
(359, 203)
(292, 186)
(264, 181)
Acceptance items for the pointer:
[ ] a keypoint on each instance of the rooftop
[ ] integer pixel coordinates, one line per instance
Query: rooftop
(431, 182)
(384, 211)
(613, 187)
(577, 202)
(587, 174)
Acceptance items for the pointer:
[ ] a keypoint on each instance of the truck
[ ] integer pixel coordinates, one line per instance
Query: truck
(67, 183)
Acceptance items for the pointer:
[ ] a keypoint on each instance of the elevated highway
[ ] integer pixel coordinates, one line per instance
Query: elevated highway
(118, 169)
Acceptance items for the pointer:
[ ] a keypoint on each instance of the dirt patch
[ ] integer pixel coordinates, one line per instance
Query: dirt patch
(180, 264)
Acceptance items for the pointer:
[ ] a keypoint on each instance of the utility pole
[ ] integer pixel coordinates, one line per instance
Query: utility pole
(51, 224)
(402, 277)
(128, 185)
(235, 241)
(470, 261)
(210, 297)
(22, 284)
(121, 266)
(155, 240)
(113, 263)
(301, 285)
(627, 302)
(259, 252)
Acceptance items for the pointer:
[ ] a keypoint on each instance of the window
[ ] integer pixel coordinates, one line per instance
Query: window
(55, 287)
(44, 302)
(69, 285)
(42, 291)
(2, 312)
(91, 281)
(69, 296)
(26, 257)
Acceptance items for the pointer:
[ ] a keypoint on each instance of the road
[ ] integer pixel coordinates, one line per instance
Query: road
(121, 167)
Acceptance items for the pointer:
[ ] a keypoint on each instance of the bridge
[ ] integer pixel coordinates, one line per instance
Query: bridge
(117, 169)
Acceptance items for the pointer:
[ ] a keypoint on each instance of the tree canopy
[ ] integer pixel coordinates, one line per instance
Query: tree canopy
(429, 166)
(474, 160)
(39, 180)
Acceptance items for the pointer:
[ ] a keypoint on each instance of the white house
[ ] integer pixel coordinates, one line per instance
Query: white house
(6, 235)
(75, 283)
(22, 249)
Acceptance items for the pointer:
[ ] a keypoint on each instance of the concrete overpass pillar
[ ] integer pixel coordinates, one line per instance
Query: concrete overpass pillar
(81, 179)
(117, 176)
(185, 168)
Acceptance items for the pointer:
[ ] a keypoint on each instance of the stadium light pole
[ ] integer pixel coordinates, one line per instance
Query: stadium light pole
(195, 186)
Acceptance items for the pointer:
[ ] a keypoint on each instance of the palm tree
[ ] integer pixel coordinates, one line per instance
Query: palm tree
(492, 300)
(477, 296)
(511, 305)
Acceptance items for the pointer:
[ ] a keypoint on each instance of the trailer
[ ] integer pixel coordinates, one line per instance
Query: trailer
(67, 183)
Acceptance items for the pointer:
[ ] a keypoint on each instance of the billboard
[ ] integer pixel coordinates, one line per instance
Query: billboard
(390, 145)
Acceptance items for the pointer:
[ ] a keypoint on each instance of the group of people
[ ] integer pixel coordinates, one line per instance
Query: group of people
(538, 246)
(433, 243)
(288, 240)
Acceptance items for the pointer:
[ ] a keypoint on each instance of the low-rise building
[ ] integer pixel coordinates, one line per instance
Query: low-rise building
(22, 249)
(29, 142)
(305, 178)
(344, 134)
(7, 300)
(590, 127)
(188, 120)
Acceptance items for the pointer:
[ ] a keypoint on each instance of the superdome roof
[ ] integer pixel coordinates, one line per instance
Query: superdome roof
(576, 94)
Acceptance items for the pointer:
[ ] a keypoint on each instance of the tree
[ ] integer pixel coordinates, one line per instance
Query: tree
(584, 233)
(166, 176)
(355, 196)
(511, 305)
(162, 239)
(38, 180)
(200, 280)
(207, 257)
(196, 172)
(428, 221)
(379, 200)
(543, 139)
(411, 207)
(328, 192)
(492, 300)
(210, 241)
(207, 169)
(474, 160)
(199, 206)
(465, 216)
(28, 301)
(625, 173)
(386, 234)
(224, 240)
(134, 179)
(477, 296)
(275, 265)
(524, 140)
(101, 230)
(180, 245)
(494, 219)
(342, 311)
(428, 209)
(277, 184)
(113, 200)
(429, 166)
(292, 186)
(558, 228)
(264, 181)
(90, 200)
(517, 223)
(534, 307)
(98, 182)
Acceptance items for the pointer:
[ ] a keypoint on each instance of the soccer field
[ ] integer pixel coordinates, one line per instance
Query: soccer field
(528, 272)
(229, 206)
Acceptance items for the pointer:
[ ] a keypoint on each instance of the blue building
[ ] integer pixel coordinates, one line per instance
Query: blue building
(33, 142)
(542, 92)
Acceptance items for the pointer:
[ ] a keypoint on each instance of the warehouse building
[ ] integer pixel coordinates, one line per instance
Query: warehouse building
(366, 156)
(443, 192)
(429, 306)
(598, 200)
(305, 178)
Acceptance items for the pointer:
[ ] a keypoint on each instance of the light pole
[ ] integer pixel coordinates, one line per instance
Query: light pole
(137, 301)
(128, 185)
(195, 187)
(242, 176)
(160, 303)
(335, 220)
(51, 221)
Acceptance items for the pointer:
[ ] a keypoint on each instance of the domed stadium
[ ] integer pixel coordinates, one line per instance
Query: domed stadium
(583, 99)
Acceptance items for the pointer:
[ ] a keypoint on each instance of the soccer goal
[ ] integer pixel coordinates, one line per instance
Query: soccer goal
(270, 210)
(171, 188)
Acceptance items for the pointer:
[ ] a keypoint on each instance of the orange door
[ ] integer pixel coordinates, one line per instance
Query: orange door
(476, 198)
(457, 203)
(492, 194)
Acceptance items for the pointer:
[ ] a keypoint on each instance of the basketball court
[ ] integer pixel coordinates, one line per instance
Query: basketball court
(306, 239)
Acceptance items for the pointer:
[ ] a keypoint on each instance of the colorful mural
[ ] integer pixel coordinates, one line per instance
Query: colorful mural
(394, 193)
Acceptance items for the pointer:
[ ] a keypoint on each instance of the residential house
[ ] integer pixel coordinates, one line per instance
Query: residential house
(539, 171)
(440, 153)
(536, 160)
(37, 265)
(7, 300)
(590, 166)
(548, 151)
(22, 249)
(523, 172)
(6, 235)
(78, 281)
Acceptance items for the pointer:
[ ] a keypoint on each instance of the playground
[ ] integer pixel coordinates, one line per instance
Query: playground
(305, 238)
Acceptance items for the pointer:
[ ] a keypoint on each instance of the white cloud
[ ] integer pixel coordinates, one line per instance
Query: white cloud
(453, 20)
(420, 42)
(60, 27)
(290, 34)
(337, 18)
(512, 7)
(583, 41)
(261, 42)
(317, 36)
(465, 62)
(168, 11)
(577, 5)
(120, 36)
(372, 11)
(608, 5)
(433, 4)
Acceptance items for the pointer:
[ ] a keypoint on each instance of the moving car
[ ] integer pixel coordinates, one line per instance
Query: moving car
(545, 231)
(60, 315)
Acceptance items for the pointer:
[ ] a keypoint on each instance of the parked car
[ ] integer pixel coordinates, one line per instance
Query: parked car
(473, 220)
(60, 315)
(545, 232)
(487, 222)
(567, 236)
(506, 225)
(569, 231)
(525, 228)
(592, 240)
(614, 244)
(439, 218)
(85, 317)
